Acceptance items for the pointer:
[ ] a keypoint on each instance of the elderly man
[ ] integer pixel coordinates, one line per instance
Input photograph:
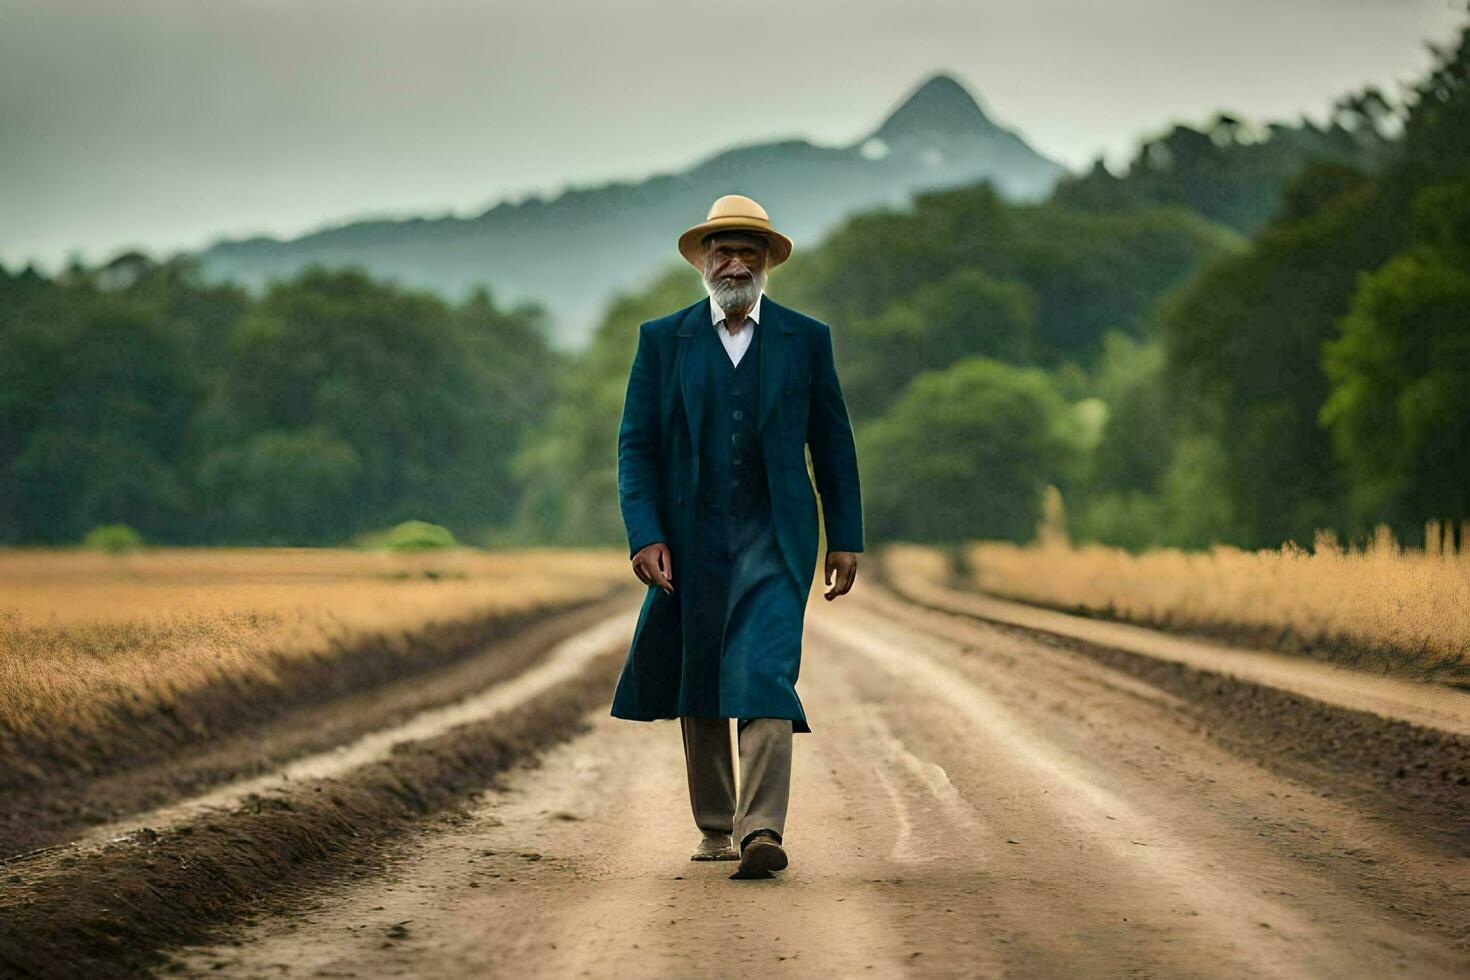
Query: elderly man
(723, 398)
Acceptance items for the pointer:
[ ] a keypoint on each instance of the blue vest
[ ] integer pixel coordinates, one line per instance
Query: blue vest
(732, 468)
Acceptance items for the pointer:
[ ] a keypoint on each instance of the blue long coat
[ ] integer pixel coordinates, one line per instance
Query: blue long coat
(801, 405)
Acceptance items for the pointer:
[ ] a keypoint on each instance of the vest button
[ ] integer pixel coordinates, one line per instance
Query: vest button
(737, 415)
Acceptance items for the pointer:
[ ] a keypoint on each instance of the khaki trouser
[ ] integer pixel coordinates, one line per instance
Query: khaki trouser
(765, 775)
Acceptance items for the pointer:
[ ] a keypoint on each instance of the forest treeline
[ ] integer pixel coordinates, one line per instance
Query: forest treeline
(1252, 332)
(329, 406)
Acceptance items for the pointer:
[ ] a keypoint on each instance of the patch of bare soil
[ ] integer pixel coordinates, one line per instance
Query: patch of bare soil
(109, 912)
(1406, 773)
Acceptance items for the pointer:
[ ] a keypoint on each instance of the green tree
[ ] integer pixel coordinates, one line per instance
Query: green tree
(1138, 434)
(1247, 340)
(965, 453)
(1242, 344)
(283, 487)
(1073, 273)
(1116, 498)
(968, 313)
(1399, 410)
(95, 395)
(416, 408)
(1233, 172)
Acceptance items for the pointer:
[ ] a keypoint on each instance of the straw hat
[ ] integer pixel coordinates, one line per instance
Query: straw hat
(734, 212)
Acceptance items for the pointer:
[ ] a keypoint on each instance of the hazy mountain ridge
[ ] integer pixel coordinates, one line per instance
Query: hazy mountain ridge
(571, 252)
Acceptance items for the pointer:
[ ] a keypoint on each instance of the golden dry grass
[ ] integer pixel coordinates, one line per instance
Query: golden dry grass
(81, 632)
(1393, 607)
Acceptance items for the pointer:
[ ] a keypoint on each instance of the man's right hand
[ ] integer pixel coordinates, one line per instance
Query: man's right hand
(655, 566)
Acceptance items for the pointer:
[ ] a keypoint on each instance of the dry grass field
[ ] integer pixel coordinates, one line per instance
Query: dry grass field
(93, 643)
(1381, 606)
(79, 629)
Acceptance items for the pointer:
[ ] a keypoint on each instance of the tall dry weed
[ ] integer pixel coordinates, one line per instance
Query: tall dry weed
(1409, 608)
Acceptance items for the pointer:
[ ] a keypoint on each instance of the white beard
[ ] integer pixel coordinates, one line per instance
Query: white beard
(736, 294)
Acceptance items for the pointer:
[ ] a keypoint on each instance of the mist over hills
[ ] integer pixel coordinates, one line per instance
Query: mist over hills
(573, 251)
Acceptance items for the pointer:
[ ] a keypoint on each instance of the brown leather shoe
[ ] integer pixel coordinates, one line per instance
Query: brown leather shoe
(715, 847)
(761, 855)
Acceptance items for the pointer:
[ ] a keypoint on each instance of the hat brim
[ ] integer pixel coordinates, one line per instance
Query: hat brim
(693, 248)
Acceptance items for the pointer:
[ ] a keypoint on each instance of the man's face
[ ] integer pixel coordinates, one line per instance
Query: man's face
(735, 268)
(735, 256)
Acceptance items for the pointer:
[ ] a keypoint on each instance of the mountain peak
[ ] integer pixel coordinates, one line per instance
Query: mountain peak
(939, 105)
(936, 137)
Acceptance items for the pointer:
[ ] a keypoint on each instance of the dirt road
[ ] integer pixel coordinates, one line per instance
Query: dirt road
(973, 800)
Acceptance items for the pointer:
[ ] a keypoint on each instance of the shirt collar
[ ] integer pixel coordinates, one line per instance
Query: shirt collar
(717, 312)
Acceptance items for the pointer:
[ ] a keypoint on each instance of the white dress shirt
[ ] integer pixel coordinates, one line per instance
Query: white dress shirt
(736, 343)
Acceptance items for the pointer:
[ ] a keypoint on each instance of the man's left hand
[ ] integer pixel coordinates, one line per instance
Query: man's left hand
(844, 565)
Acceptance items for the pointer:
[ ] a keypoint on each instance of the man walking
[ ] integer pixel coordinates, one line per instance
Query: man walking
(723, 398)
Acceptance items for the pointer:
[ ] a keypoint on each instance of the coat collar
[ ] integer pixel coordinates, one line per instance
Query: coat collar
(694, 335)
(702, 312)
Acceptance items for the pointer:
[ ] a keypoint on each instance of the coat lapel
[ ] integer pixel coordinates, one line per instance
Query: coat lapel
(696, 336)
(775, 352)
(692, 334)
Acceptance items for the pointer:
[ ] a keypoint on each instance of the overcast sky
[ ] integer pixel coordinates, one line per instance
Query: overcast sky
(167, 123)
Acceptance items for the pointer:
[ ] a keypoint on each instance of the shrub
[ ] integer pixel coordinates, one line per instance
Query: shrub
(113, 539)
(413, 536)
